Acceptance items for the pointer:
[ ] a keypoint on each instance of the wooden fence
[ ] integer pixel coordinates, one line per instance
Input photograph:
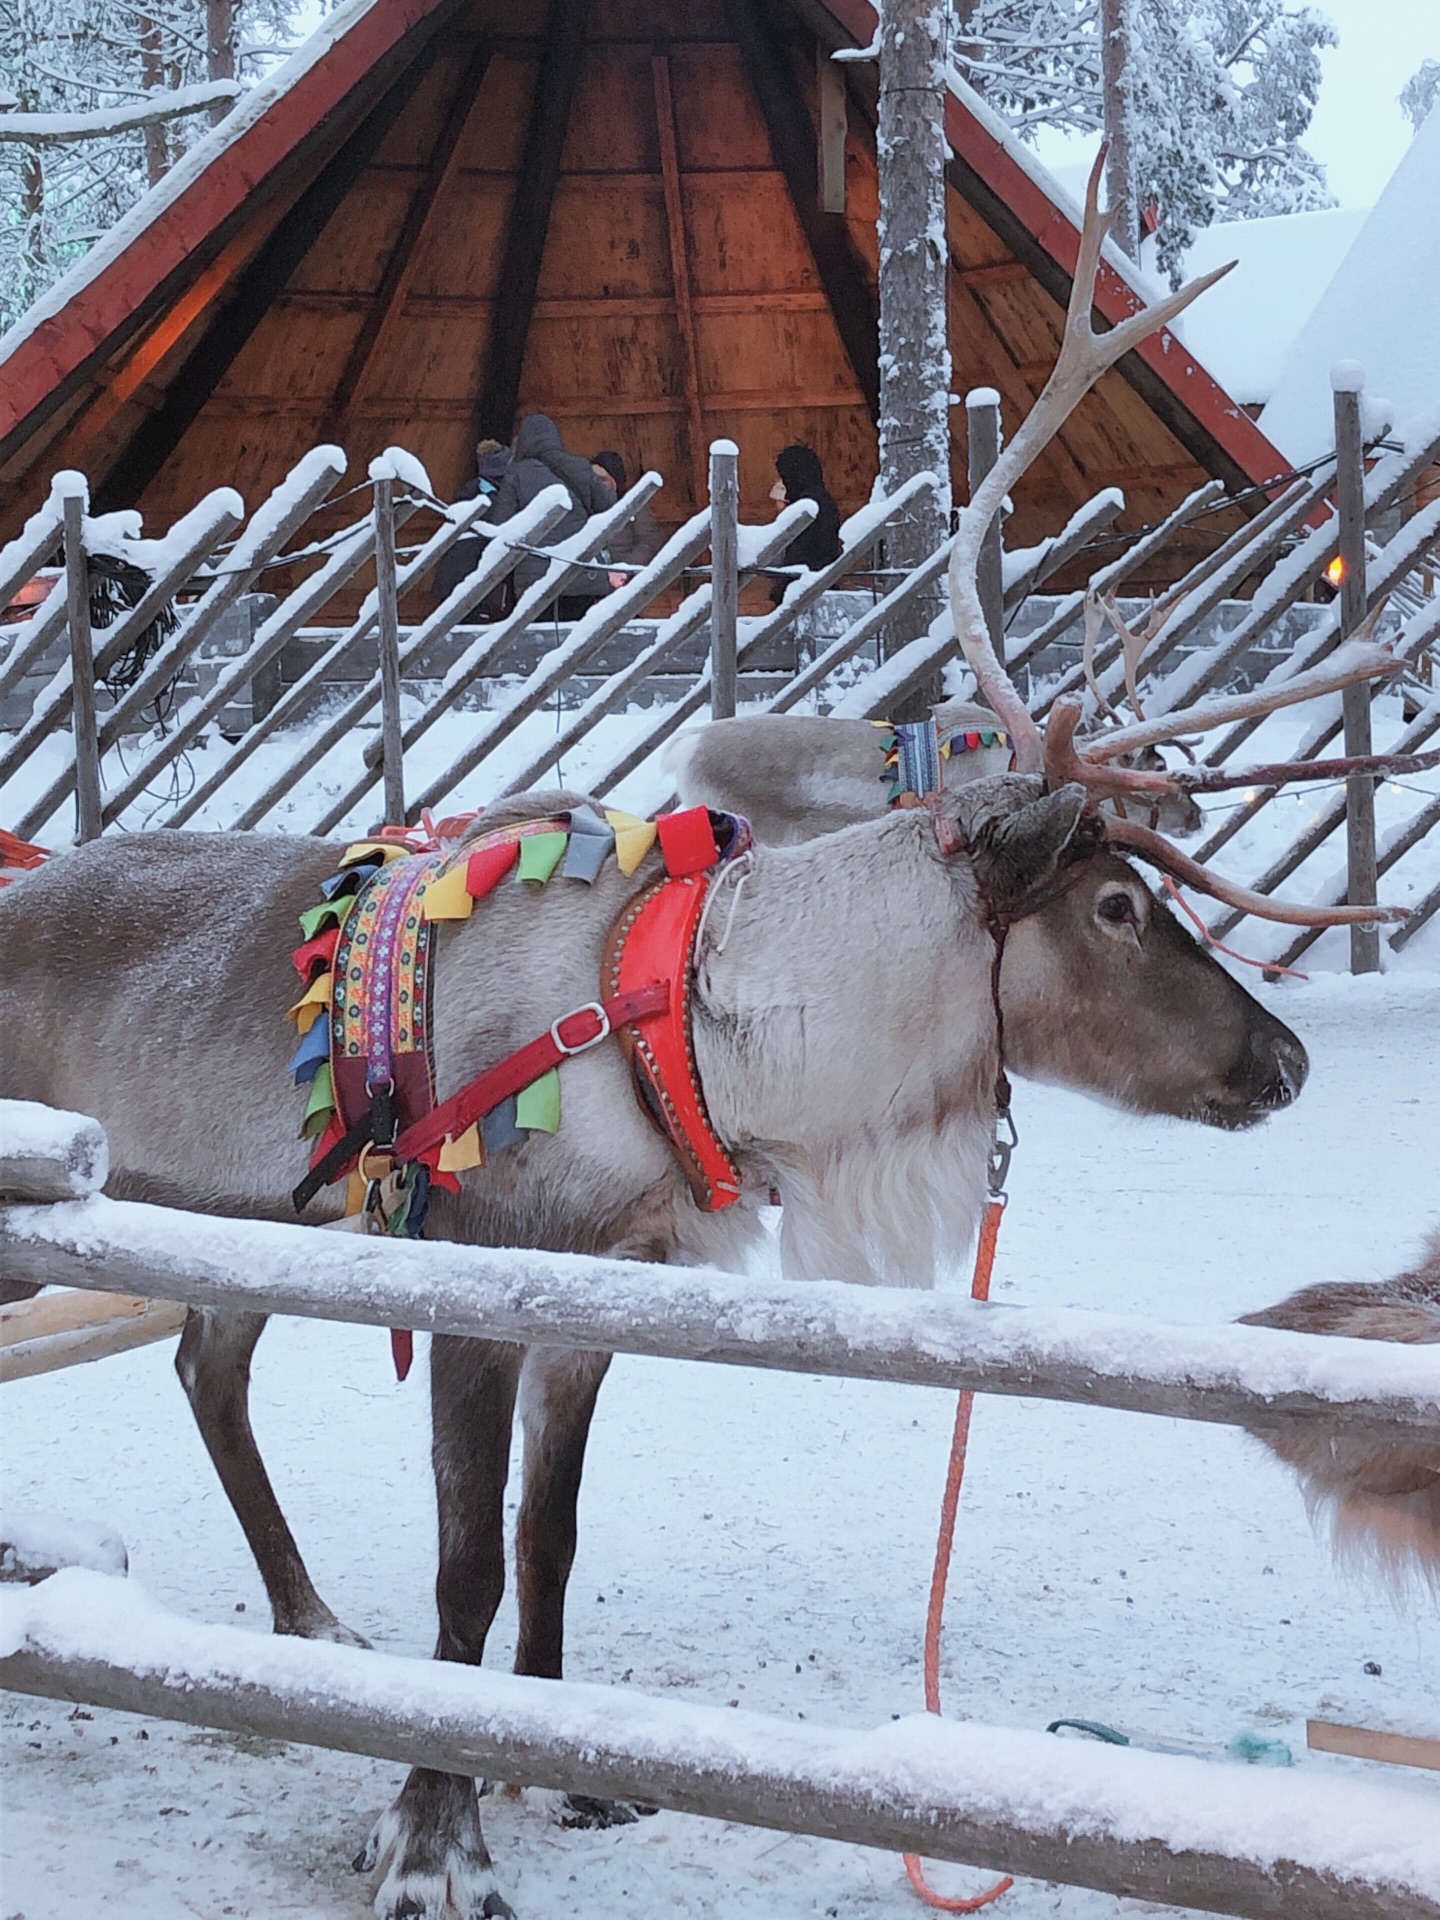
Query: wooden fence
(217, 559)
(1145, 1826)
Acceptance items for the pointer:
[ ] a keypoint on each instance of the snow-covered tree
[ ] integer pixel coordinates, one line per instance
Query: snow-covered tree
(1420, 92)
(1220, 94)
(89, 72)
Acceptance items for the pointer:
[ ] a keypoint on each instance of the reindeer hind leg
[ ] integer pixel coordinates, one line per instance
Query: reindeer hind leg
(213, 1362)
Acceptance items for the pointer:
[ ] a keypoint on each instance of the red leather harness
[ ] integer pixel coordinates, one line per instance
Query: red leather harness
(646, 975)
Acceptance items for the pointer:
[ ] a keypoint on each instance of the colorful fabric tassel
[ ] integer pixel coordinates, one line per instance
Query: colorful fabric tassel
(633, 838)
(498, 1129)
(314, 918)
(537, 1107)
(461, 1154)
(488, 866)
(540, 854)
(449, 897)
(312, 1050)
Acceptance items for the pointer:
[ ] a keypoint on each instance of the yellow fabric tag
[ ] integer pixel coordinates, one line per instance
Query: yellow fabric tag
(305, 1015)
(447, 898)
(355, 1185)
(457, 1156)
(317, 995)
(633, 838)
(387, 850)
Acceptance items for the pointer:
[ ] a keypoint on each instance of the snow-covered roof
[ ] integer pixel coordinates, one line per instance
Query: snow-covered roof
(1244, 328)
(1382, 308)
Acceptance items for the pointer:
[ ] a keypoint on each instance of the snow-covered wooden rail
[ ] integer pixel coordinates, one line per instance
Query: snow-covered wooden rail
(1236, 1375)
(1223, 1839)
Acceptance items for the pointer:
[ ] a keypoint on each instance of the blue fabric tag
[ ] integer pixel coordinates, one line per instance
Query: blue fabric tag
(310, 1055)
(498, 1129)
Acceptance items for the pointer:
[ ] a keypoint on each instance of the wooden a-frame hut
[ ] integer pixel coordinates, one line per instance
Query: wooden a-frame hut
(652, 219)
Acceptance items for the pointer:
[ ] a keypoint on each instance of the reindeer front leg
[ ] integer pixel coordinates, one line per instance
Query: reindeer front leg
(213, 1362)
(439, 1866)
(557, 1400)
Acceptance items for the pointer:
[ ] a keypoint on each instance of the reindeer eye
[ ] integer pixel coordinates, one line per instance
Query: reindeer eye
(1117, 908)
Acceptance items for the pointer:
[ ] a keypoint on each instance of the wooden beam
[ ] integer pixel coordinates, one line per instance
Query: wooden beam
(49, 1154)
(1373, 1743)
(255, 289)
(680, 270)
(793, 143)
(529, 222)
(71, 1327)
(834, 124)
(1259, 1377)
(389, 301)
(1004, 372)
(1150, 1826)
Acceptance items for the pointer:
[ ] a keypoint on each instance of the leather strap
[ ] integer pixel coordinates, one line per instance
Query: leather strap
(655, 934)
(575, 1032)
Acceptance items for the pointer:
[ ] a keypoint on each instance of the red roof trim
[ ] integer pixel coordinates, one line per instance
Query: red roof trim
(49, 355)
(1198, 391)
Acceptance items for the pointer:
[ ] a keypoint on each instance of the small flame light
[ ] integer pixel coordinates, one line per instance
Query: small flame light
(1335, 572)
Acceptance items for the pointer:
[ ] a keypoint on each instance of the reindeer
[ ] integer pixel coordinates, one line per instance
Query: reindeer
(1382, 1497)
(141, 980)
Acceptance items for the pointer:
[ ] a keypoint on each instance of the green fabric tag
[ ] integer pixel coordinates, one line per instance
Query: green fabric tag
(537, 1107)
(540, 854)
(322, 1093)
(314, 918)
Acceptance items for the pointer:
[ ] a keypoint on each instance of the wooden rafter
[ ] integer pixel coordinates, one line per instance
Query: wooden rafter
(379, 326)
(1011, 378)
(519, 277)
(793, 144)
(254, 291)
(680, 270)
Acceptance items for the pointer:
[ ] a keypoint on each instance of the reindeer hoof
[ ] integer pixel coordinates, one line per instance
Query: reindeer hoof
(586, 1810)
(321, 1624)
(437, 1866)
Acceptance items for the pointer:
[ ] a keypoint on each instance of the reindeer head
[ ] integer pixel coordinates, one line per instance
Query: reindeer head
(1101, 987)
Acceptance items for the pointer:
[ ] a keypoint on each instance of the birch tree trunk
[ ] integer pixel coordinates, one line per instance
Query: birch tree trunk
(914, 335)
(220, 48)
(1115, 102)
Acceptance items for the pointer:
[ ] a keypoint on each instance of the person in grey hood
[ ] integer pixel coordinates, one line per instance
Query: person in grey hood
(539, 461)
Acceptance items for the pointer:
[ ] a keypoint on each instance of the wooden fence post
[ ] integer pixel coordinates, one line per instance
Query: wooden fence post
(982, 420)
(82, 666)
(1346, 381)
(725, 576)
(388, 629)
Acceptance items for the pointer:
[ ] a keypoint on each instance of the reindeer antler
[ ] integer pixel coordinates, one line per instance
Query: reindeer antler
(1084, 356)
(1158, 851)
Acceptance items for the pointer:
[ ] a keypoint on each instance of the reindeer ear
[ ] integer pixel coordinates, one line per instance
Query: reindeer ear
(1017, 832)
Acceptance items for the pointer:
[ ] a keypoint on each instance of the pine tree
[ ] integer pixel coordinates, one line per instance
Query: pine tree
(1220, 94)
(64, 61)
(1420, 92)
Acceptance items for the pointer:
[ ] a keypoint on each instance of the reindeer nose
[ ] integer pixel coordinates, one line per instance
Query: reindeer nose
(1284, 1066)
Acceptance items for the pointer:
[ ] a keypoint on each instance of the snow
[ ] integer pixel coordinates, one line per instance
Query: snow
(1242, 329)
(738, 1525)
(35, 1545)
(1385, 1835)
(160, 104)
(396, 464)
(67, 1144)
(1382, 308)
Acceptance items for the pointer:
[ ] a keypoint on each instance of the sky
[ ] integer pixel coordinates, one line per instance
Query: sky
(1358, 131)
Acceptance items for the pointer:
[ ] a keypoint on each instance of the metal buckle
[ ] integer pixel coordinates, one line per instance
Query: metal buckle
(590, 1006)
(1000, 1153)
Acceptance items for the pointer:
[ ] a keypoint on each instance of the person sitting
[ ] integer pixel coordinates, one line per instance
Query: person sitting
(539, 461)
(815, 546)
(636, 544)
(491, 461)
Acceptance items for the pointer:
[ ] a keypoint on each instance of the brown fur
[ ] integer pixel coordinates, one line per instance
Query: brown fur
(1382, 1497)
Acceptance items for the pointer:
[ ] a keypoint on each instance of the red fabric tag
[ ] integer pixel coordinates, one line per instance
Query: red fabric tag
(488, 866)
(402, 1349)
(687, 841)
(321, 948)
(972, 741)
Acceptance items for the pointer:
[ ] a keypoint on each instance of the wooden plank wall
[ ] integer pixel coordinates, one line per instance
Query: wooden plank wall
(383, 332)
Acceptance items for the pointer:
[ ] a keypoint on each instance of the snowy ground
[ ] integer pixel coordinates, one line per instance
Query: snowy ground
(767, 1540)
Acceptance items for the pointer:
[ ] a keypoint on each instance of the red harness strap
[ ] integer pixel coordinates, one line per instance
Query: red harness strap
(656, 934)
(478, 1096)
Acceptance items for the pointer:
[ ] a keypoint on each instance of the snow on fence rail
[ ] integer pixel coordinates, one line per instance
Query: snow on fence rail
(1136, 1824)
(1147, 1826)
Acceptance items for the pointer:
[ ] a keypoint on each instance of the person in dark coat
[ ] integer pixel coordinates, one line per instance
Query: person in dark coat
(539, 461)
(636, 544)
(491, 462)
(801, 478)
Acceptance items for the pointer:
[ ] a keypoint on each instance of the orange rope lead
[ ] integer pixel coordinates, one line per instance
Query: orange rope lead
(935, 1614)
